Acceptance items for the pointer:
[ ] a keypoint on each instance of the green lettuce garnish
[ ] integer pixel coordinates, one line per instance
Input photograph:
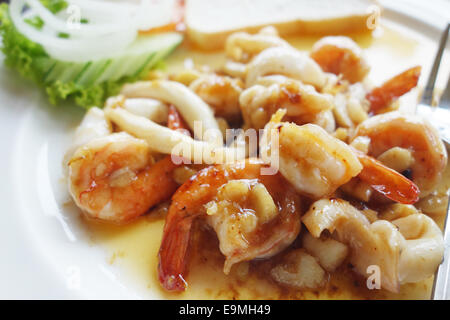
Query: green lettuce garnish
(32, 62)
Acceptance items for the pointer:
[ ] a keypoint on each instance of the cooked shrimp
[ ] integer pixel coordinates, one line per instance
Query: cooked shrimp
(221, 93)
(381, 97)
(317, 164)
(259, 102)
(242, 46)
(114, 178)
(386, 181)
(254, 216)
(175, 122)
(235, 69)
(288, 62)
(408, 249)
(314, 162)
(340, 56)
(410, 132)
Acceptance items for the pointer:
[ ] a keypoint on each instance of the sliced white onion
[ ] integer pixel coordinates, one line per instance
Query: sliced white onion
(145, 14)
(91, 50)
(104, 7)
(112, 26)
(62, 25)
(98, 11)
(72, 49)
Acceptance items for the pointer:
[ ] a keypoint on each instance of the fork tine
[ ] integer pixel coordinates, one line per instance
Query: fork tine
(427, 97)
(445, 98)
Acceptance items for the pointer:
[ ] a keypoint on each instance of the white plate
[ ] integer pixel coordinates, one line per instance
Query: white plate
(45, 253)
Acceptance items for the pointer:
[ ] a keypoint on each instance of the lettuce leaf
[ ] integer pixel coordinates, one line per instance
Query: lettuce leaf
(20, 53)
(86, 97)
(31, 61)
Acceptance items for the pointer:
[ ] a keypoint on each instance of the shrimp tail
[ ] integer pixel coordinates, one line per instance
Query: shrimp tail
(177, 231)
(175, 121)
(388, 182)
(173, 253)
(392, 89)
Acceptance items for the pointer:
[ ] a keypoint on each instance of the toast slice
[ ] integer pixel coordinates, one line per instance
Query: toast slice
(209, 22)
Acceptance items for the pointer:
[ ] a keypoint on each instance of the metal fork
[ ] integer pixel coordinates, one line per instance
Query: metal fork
(440, 117)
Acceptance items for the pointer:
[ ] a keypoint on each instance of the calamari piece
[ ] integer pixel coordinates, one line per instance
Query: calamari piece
(235, 69)
(329, 252)
(423, 249)
(406, 250)
(191, 107)
(288, 62)
(299, 270)
(171, 142)
(152, 109)
(341, 56)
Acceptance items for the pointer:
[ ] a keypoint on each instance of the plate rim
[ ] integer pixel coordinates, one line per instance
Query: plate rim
(47, 286)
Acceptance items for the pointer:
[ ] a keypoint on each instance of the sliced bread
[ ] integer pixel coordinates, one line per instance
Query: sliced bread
(209, 22)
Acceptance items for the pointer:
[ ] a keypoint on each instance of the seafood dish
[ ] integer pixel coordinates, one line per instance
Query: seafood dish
(277, 167)
(350, 170)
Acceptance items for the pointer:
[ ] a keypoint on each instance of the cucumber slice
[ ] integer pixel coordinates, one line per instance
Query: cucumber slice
(83, 71)
(140, 56)
(116, 69)
(64, 71)
(54, 72)
(94, 71)
(145, 61)
(44, 65)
